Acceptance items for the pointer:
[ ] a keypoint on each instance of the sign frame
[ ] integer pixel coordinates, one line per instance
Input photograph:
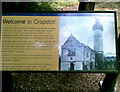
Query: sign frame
(57, 12)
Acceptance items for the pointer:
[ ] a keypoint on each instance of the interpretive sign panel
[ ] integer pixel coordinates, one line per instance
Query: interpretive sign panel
(61, 41)
(30, 42)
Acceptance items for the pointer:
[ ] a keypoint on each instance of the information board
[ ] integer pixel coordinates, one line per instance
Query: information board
(62, 41)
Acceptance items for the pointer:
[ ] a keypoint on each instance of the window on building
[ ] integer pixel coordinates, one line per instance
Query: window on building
(113, 66)
(87, 54)
(71, 52)
(71, 58)
(71, 41)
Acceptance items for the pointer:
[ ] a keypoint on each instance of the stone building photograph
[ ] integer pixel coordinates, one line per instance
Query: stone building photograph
(85, 41)
(76, 55)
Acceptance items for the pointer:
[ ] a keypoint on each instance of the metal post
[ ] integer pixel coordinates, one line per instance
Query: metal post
(7, 83)
(109, 82)
(85, 6)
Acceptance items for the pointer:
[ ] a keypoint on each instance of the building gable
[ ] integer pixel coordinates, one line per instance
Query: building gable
(72, 42)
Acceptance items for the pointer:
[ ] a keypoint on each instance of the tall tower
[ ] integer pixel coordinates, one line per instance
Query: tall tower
(98, 44)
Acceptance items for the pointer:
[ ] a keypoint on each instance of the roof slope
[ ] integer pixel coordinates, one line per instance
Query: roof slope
(72, 42)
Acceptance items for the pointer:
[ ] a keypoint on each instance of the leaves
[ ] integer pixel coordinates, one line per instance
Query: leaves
(16, 7)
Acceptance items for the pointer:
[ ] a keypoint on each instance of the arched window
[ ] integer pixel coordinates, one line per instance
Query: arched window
(71, 58)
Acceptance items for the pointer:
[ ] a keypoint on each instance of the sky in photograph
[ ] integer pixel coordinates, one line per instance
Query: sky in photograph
(81, 28)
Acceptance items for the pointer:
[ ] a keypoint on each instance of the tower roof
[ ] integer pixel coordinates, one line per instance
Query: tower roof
(97, 25)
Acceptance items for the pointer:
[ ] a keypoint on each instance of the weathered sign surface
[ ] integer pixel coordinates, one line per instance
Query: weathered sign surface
(77, 41)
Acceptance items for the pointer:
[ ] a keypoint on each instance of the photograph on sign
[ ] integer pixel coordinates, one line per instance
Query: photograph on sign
(87, 42)
(69, 41)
